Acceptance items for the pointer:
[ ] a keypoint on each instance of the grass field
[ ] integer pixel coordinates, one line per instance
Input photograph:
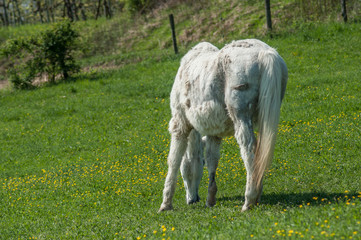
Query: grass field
(87, 159)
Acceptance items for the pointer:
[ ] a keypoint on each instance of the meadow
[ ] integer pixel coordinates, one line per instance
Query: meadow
(86, 159)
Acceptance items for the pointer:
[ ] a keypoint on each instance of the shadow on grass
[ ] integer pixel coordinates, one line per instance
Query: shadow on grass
(92, 75)
(297, 199)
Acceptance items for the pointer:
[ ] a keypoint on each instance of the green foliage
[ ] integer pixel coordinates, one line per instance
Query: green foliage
(23, 69)
(58, 44)
(139, 6)
(48, 54)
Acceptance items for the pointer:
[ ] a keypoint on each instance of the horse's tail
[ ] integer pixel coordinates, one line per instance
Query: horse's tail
(269, 104)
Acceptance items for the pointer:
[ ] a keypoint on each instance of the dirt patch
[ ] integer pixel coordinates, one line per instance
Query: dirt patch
(4, 84)
(39, 81)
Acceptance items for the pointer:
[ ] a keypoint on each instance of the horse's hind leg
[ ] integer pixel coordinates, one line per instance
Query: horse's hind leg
(192, 167)
(212, 156)
(246, 140)
(178, 147)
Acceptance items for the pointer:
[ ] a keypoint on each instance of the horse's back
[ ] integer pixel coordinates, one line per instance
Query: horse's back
(197, 69)
(198, 91)
(198, 51)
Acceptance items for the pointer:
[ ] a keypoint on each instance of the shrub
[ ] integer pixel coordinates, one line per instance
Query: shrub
(139, 6)
(47, 55)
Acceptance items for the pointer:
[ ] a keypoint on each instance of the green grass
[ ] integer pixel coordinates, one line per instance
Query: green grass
(87, 159)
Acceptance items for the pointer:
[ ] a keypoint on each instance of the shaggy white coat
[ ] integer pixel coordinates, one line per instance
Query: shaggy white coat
(217, 93)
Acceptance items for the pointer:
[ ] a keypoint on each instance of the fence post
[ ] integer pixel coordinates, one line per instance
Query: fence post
(171, 20)
(343, 10)
(268, 15)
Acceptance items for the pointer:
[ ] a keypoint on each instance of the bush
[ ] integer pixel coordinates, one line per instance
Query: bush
(139, 6)
(47, 55)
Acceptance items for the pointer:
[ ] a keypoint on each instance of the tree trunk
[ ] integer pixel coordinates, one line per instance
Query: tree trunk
(268, 15)
(2, 19)
(6, 17)
(98, 10)
(343, 10)
(20, 19)
(107, 11)
(67, 8)
(12, 14)
(39, 10)
(82, 12)
(75, 10)
(64, 11)
(51, 3)
(47, 8)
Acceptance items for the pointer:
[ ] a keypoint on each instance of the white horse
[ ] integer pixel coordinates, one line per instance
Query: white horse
(217, 93)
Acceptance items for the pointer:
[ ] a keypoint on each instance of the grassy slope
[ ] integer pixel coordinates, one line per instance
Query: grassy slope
(87, 159)
(125, 38)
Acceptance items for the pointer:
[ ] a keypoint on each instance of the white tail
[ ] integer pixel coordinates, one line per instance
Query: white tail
(269, 111)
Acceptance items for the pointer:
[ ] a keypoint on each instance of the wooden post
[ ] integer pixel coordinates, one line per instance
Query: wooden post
(171, 20)
(268, 15)
(343, 10)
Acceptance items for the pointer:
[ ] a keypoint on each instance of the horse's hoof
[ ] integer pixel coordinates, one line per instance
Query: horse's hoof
(245, 208)
(192, 201)
(165, 208)
(210, 203)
